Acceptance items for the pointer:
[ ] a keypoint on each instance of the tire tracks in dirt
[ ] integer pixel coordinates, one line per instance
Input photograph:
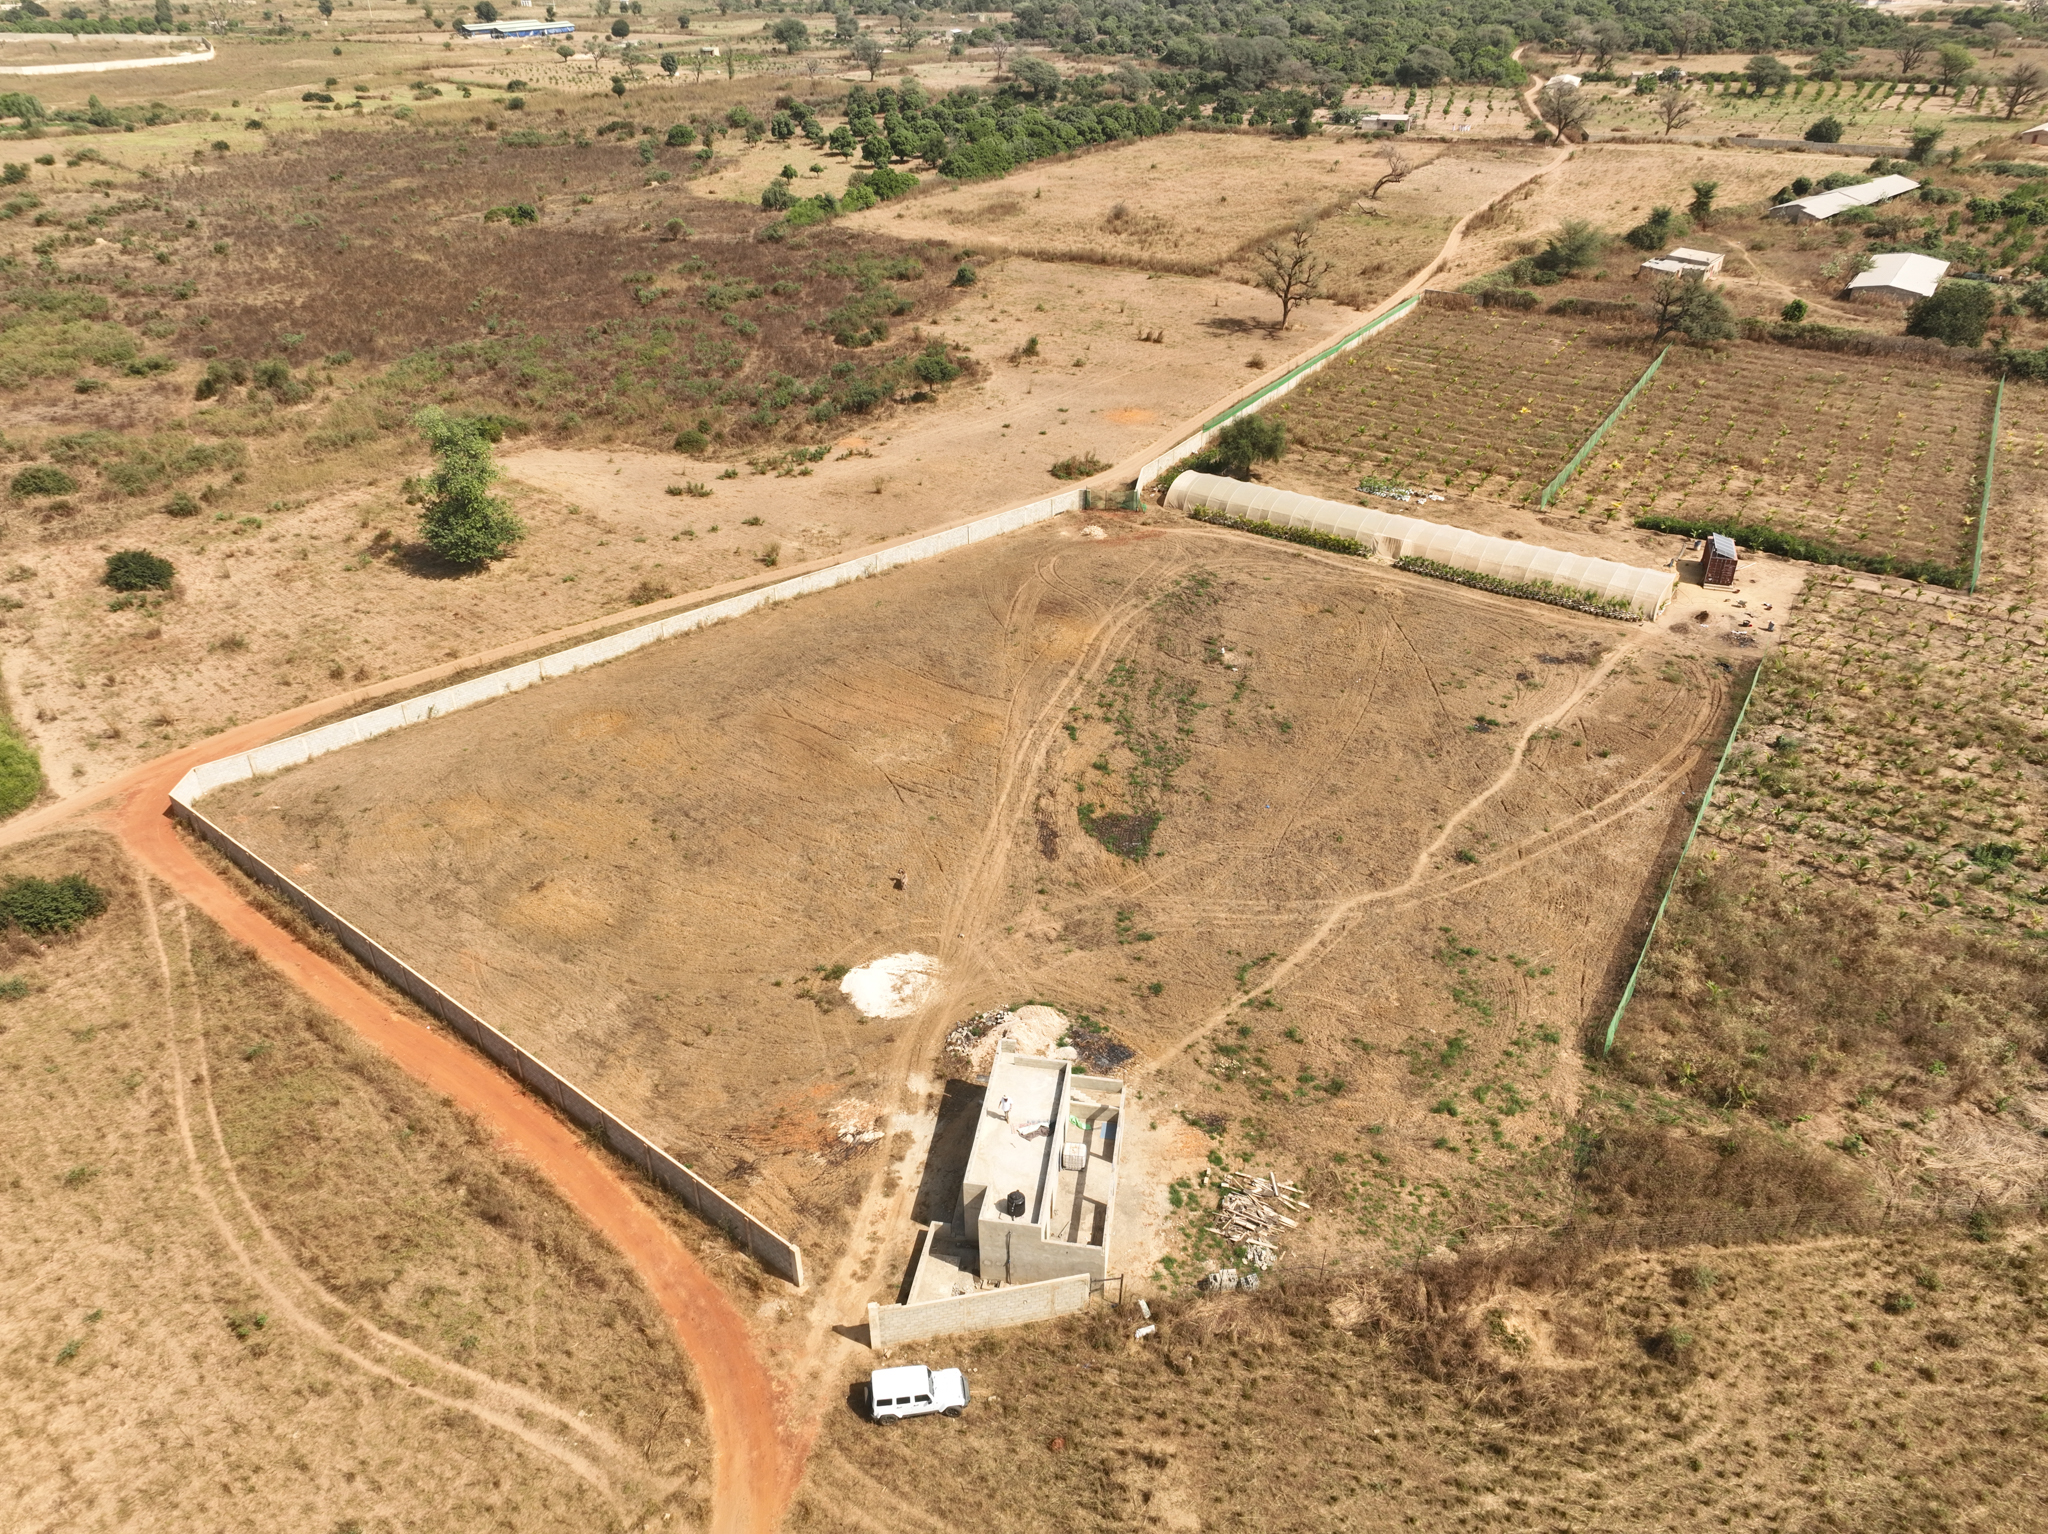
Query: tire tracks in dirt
(300, 1301)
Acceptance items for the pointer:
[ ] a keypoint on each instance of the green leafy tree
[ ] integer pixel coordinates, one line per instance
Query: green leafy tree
(485, 11)
(622, 29)
(1952, 65)
(670, 64)
(1686, 306)
(1828, 130)
(462, 521)
(164, 19)
(1702, 206)
(1036, 75)
(1245, 441)
(1793, 312)
(1658, 230)
(1576, 246)
(866, 51)
(1955, 314)
(791, 33)
(1767, 72)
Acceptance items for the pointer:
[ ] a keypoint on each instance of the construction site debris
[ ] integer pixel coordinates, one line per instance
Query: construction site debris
(1246, 1217)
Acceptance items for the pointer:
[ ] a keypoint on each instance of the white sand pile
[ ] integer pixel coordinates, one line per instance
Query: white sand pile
(893, 986)
(1036, 1029)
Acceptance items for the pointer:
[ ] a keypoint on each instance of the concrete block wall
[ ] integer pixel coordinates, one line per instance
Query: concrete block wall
(774, 1252)
(986, 1310)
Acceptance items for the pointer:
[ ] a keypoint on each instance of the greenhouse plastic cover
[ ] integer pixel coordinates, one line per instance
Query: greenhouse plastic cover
(1646, 591)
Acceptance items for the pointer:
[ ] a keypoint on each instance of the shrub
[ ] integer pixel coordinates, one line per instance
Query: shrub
(1955, 314)
(1793, 312)
(42, 479)
(181, 505)
(1335, 543)
(1827, 131)
(516, 213)
(462, 522)
(138, 570)
(1773, 540)
(777, 196)
(1079, 467)
(44, 906)
(964, 278)
(691, 440)
(1245, 441)
(221, 374)
(934, 364)
(21, 774)
(680, 136)
(1658, 230)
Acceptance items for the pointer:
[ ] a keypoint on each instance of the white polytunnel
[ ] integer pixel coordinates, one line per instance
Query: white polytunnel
(1646, 591)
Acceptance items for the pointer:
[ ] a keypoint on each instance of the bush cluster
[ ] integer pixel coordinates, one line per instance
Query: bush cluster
(1577, 598)
(45, 906)
(1773, 540)
(138, 570)
(1335, 543)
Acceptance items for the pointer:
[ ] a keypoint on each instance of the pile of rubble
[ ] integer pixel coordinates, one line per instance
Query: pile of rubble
(961, 1040)
(1389, 491)
(1248, 1218)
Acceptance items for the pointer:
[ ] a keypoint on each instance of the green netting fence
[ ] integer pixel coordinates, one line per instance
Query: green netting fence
(1628, 991)
(1550, 490)
(1990, 466)
(1287, 379)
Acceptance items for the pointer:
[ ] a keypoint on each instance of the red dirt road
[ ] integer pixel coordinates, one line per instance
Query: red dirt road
(755, 1465)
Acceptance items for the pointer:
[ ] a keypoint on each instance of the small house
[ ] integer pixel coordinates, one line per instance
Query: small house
(1824, 205)
(2034, 135)
(1571, 80)
(1384, 122)
(1717, 560)
(1682, 260)
(1902, 276)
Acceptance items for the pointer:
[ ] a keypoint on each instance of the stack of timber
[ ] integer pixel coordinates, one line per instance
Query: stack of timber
(1248, 1218)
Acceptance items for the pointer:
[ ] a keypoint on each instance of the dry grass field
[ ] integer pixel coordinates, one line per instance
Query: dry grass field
(1134, 205)
(261, 1279)
(1886, 1383)
(1349, 911)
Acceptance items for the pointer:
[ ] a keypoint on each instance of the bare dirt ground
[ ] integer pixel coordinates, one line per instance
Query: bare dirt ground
(1887, 1382)
(272, 1280)
(658, 903)
(1070, 208)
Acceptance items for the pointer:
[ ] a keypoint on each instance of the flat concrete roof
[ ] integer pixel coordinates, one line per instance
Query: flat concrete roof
(1004, 1160)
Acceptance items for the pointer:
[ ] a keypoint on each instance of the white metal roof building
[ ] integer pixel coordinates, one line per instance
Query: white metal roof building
(1820, 205)
(509, 29)
(1682, 260)
(2035, 135)
(1646, 591)
(1900, 274)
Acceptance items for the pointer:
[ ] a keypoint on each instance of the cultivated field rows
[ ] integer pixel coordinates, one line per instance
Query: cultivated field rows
(1875, 458)
(1901, 744)
(1478, 403)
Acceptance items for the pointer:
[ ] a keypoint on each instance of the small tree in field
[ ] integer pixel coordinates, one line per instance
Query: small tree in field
(1955, 314)
(1702, 206)
(1686, 306)
(1673, 107)
(1290, 270)
(866, 50)
(1245, 441)
(1565, 107)
(463, 522)
(2021, 87)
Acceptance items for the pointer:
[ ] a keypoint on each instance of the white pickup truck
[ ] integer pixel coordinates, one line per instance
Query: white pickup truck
(912, 1390)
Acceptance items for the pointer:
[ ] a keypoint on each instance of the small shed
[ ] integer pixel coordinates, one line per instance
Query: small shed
(1572, 80)
(1683, 260)
(2035, 135)
(1901, 276)
(1717, 560)
(1380, 122)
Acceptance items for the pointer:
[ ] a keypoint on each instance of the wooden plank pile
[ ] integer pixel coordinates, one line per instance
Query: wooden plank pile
(1248, 1217)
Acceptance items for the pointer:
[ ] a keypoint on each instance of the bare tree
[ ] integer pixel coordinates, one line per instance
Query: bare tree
(1000, 47)
(1565, 107)
(1580, 37)
(2038, 9)
(867, 52)
(1673, 107)
(1911, 50)
(2001, 37)
(1399, 167)
(1291, 271)
(2022, 86)
(1688, 27)
(1609, 38)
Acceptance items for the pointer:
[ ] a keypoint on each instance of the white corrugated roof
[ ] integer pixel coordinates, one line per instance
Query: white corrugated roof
(1904, 270)
(1828, 204)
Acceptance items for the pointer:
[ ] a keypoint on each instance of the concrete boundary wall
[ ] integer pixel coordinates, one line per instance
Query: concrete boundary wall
(104, 65)
(772, 1251)
(296, 749)
(1285, 384)
(983, 1311)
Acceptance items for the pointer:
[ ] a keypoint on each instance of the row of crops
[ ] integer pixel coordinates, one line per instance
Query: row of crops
(1877, 461)
(1476, 403)
(1900, 741)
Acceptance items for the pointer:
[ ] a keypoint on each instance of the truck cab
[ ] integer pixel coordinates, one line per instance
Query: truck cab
(912, 1390)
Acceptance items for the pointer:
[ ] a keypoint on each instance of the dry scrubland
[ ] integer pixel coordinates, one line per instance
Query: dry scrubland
(660, 902)
(1860, 1384)
(261, 1279)
(358, 260)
